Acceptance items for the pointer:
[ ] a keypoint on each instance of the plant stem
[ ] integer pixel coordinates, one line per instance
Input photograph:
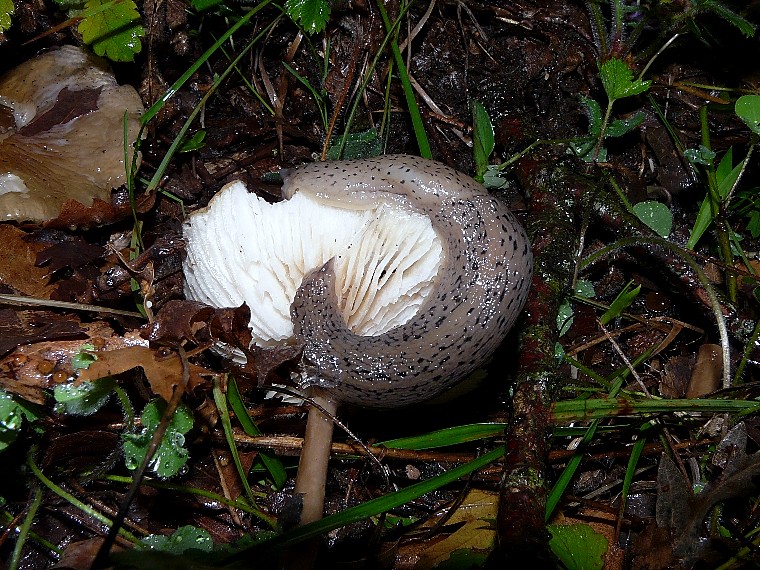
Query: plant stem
(24, 530)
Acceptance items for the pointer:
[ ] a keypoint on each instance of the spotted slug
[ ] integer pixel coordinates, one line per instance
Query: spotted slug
(480, 288)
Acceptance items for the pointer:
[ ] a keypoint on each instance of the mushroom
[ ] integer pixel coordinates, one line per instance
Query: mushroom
(400, 276)
(62, 133)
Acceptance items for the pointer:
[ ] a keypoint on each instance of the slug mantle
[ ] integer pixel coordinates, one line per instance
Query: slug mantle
(399, 275)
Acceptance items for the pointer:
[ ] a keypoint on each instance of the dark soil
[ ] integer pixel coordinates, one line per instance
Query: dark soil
(531, 64)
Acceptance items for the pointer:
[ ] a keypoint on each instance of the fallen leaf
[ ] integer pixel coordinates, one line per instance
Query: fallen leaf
(474, 538)
(707, 371)
(162, 367)
(27, 327)
(18, 269)
(31, 369)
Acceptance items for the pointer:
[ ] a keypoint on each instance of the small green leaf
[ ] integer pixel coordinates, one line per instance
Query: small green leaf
(311, 14)
(11, 419)
(584, 289)
(171, 455)
(185, 538)
(753, 225)
(84, 399)
(483, 141)
(578, 546)
(84, 357)
(655, 215)
(620, 127)
(358, 145)
(113, 29)
(747, 109)
(6, 11)
(565, 317)
(194, 142)
(618, 81)
(726, 174)
(584, 148)
(621, 303)
(594, 114)
(701, 155)
(492, 178)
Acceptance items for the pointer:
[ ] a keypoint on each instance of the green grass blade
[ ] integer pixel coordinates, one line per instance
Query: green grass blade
(560, 486)
(24, 530)
(224, 416)
(177, 85)
(597, 408)
(177, 142)
(447, 436)
(633, 461)
(272, 464)
(371, 508)
(411, 102)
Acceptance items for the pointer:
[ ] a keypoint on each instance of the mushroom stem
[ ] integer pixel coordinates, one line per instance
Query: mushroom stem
(312, 466)
(312, 474)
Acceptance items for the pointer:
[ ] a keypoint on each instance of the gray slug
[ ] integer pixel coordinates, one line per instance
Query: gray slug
(480, 288)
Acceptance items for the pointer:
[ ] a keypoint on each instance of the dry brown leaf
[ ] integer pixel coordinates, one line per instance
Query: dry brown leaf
(163, 368)
(707, 372)
(33, 368)
(17, 264)
(475, 533)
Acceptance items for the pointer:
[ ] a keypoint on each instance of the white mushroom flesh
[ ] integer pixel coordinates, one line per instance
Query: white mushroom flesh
(244, 249)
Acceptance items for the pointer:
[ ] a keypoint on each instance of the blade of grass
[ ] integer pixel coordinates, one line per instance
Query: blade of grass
(224, 416)
(177, 85)
(367, 77)
(560, 486)
(630, 471)
(371, 508)
(272, 464)
(150, 113)
(597, 408)
(447, 436)
(239, 503)
(411, 102)
(71, 499)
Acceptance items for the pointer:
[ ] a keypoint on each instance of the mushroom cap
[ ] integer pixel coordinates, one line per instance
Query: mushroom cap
(244, 249)
(66, 137)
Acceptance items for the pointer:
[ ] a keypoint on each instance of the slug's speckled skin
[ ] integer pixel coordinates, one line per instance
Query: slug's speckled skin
(480, 288)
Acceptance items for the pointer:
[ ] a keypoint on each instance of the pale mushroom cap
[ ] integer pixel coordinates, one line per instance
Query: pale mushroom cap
(48, 158)
(243, 249)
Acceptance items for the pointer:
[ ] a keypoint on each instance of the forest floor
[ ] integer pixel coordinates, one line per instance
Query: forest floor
(616, 427)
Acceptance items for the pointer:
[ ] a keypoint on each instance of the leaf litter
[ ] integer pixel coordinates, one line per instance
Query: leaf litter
(669, 518)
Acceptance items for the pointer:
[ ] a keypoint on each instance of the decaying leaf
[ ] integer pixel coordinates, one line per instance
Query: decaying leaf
(683, 512)
(163, 368)
(32, 368)
(28, 327)
(66, 143)
(472, 536)
(707, 372)
(202, 325)
(18, 269)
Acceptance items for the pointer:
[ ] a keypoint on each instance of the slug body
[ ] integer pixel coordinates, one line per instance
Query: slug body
(480, 288)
